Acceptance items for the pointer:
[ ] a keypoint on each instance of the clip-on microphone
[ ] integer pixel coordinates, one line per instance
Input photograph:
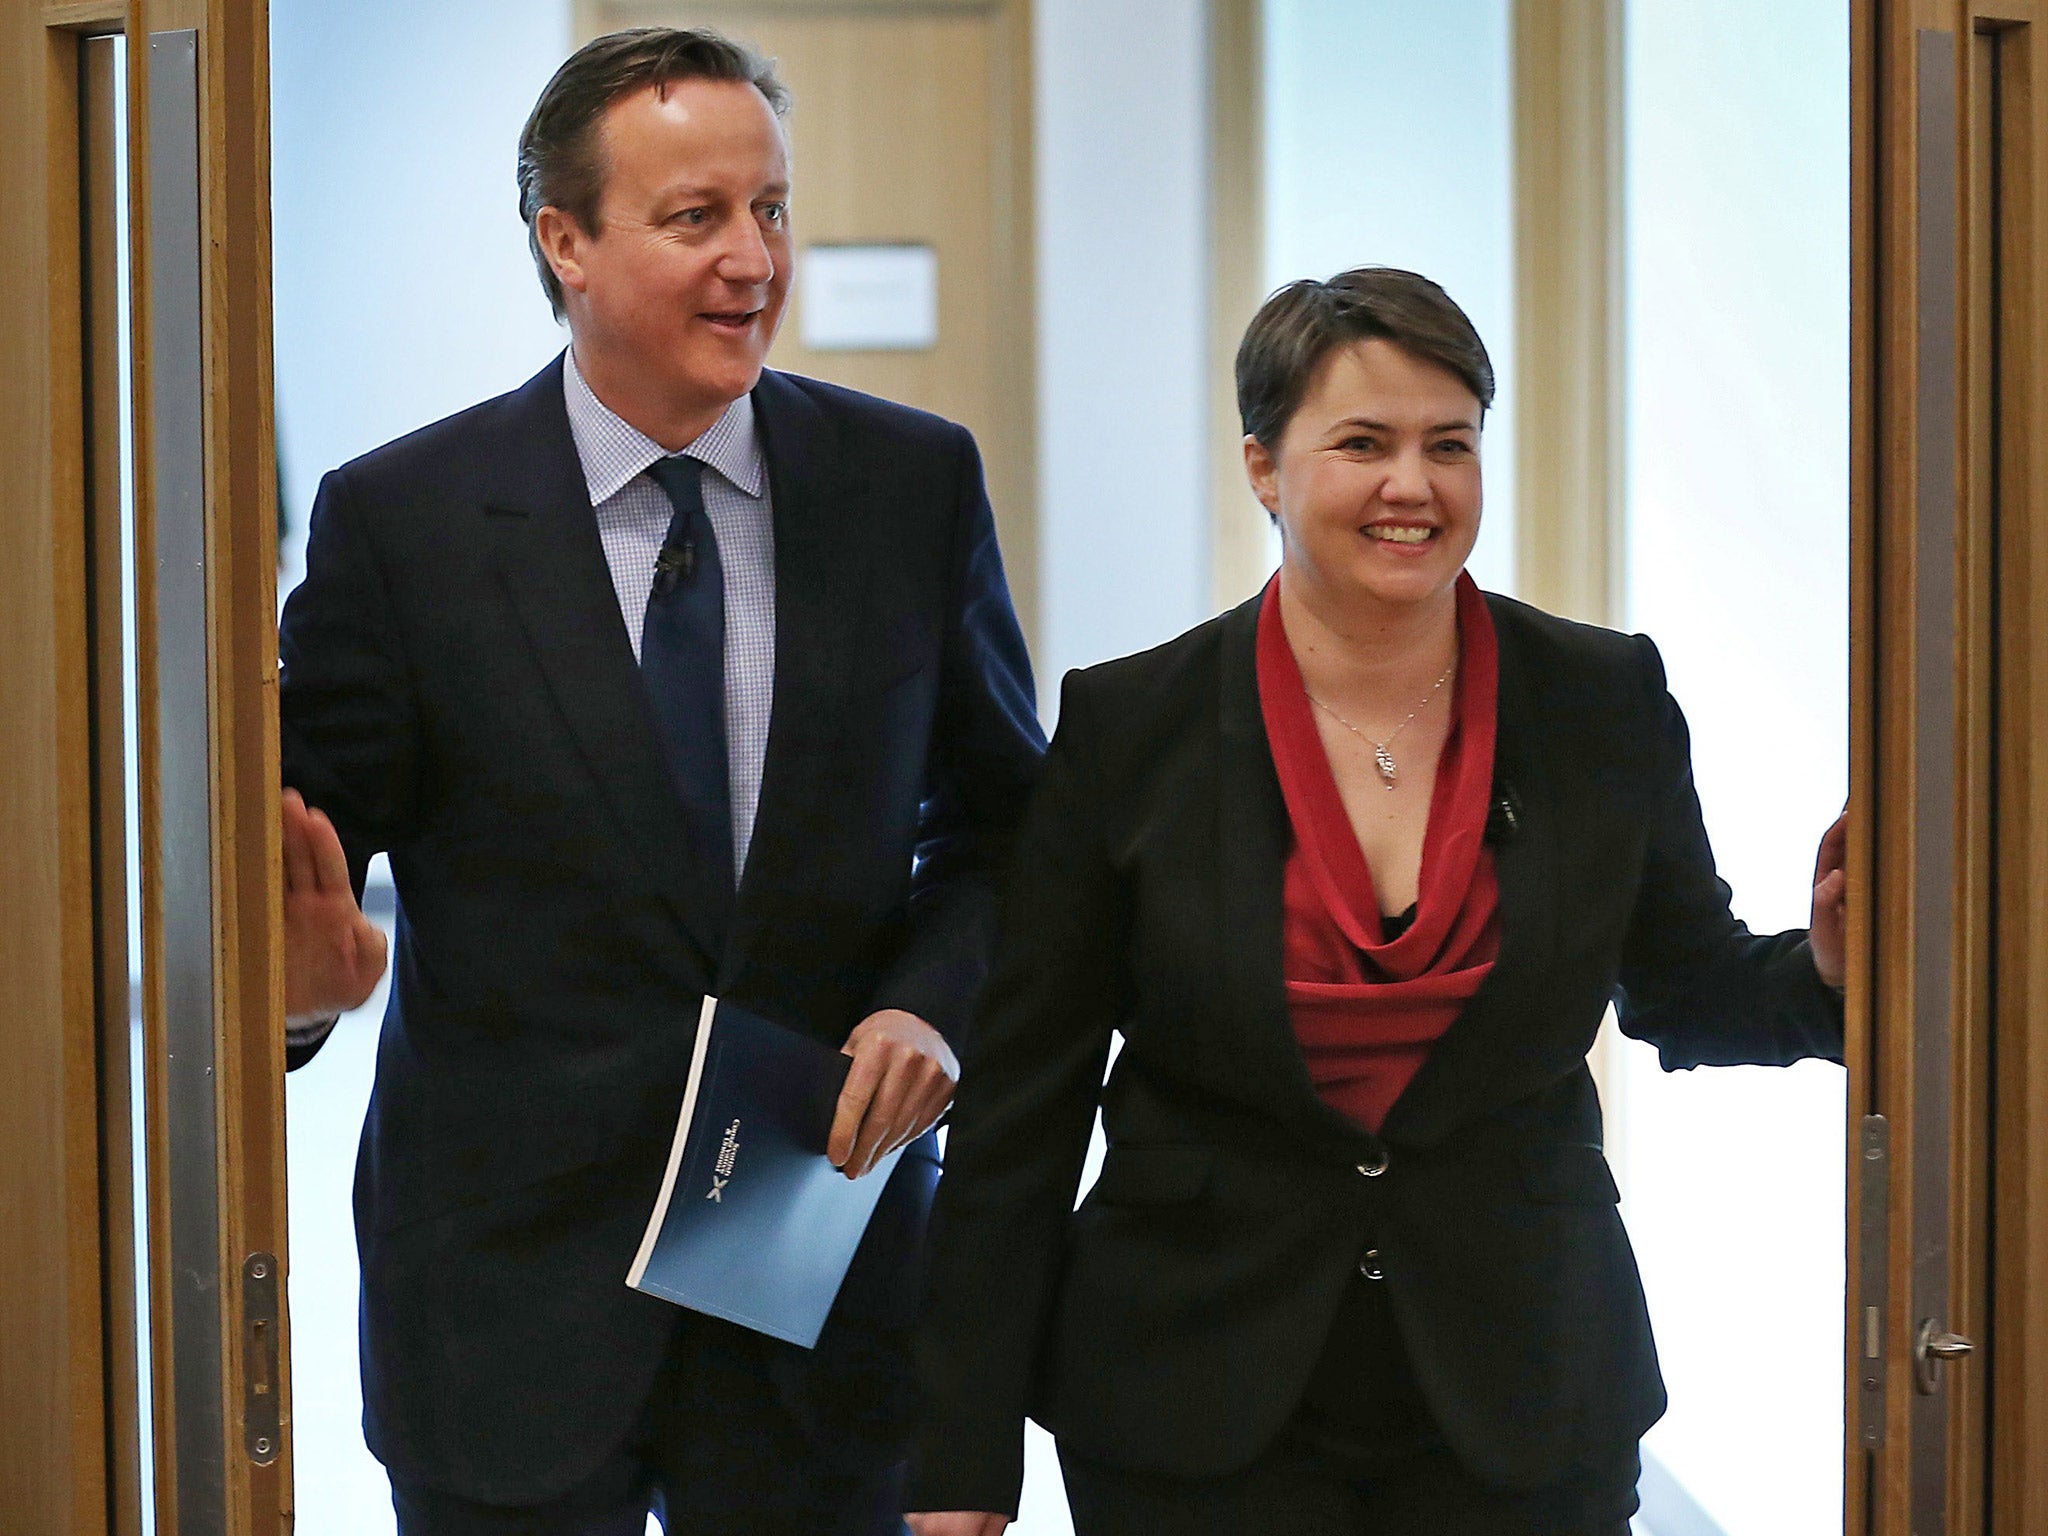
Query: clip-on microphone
(1504, 816)
(673, 563)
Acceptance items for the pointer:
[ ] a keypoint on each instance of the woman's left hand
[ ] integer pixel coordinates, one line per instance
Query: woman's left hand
(1828, 932)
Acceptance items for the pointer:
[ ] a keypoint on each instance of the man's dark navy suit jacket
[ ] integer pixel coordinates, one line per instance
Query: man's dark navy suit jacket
(459, 690)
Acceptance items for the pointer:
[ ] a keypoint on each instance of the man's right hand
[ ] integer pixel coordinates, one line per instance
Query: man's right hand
(333, 955)
(958, 1522)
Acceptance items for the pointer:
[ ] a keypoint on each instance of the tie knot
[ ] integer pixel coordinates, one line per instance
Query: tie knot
(682, 477)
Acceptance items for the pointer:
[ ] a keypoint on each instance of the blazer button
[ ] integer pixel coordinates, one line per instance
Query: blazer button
(1369, 1265)
(1375, 1165)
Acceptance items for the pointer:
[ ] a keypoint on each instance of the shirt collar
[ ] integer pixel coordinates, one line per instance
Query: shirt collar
(613, 450)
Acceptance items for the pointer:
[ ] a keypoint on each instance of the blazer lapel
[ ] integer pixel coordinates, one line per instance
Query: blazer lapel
(819, 555)
(1489, 1054)
(1253, 841)
(552, 563)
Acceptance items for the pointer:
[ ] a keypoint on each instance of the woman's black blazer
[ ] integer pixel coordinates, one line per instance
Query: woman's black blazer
(1171, 1323)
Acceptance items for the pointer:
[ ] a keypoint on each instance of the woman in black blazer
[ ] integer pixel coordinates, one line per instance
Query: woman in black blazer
(1355, 870)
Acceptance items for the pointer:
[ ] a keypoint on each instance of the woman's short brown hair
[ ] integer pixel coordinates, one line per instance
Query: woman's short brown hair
(1297, 329)
(561, 162)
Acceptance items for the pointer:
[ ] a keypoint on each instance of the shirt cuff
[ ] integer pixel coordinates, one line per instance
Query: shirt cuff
(312, 1032)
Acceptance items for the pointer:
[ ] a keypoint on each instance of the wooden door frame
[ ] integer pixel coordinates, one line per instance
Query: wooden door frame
(54, 1453)
(1238, 525)
(1890, 304)
(68, 1448)
(2017, 1075)
(1863, 142)
(1996, 1152)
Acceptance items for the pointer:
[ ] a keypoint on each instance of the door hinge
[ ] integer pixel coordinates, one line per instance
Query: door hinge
(1873, 1248)
(261, 1429)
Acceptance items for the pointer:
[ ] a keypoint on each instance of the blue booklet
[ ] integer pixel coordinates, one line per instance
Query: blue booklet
(753, 1224)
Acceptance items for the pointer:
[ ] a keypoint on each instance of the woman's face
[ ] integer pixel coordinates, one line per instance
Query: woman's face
(1376, 479)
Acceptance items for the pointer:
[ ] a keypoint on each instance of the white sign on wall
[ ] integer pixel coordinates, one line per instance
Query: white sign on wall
(870, 298)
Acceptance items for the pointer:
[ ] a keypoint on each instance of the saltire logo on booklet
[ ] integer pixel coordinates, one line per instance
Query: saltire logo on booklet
(721, 1171)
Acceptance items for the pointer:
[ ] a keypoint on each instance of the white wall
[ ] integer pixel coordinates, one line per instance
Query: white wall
(1122, 306)
(1123, 283)
(1738, 182)
(1389, 143)
(403, 287)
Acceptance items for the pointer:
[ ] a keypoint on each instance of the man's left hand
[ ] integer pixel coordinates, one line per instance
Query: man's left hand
(901, 1081)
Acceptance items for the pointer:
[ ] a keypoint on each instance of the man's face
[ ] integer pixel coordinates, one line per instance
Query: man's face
(681, 286)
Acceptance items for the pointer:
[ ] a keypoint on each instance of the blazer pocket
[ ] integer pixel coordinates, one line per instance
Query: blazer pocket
(1152, 1175)
(873, 701)
(884, 674)
(1568, 1173)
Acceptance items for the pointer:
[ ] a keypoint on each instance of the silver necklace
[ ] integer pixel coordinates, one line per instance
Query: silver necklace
(1382, 755)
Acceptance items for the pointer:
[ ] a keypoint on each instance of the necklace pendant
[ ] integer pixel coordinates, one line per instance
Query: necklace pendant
(1385, 761)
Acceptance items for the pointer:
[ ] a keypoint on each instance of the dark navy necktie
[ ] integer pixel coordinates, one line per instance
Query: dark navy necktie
(682, 661)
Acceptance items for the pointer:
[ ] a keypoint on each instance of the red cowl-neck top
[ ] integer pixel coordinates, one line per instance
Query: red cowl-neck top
(1366, 1008)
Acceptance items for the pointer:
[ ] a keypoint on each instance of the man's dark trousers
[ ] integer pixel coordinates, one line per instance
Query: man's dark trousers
(756, 1476)
(459, 690)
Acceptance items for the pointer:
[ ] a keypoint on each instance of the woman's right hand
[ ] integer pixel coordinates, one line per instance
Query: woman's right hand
(957, 1522)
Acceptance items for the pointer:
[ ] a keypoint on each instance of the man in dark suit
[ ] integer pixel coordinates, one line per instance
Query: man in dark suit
(661, 676)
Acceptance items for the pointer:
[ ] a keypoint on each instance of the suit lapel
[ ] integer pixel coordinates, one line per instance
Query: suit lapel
(1253, 840)
(1488, 1055)
(819, 556)
(552, 563)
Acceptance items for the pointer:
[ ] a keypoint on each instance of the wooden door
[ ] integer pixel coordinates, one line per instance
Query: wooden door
(2006, 575)
(137, 559)
(1948, 1335)
(911, 127)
